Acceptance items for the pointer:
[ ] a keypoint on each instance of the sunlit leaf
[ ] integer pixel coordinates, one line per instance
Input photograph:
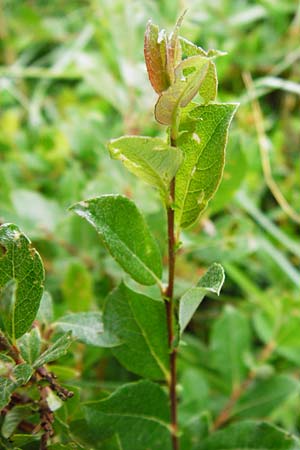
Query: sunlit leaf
(183, 90)
(156, 65)
(203, 144)
(151, 159)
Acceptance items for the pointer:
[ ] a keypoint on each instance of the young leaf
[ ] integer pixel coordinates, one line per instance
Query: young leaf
(30, 345)
(126, 235)
(151, 159)
(12, 419)
(251, 435)
(21, 280)
(55, 351)
(155, 63)
(203, 146)
(174, 52)
(87, 327)
(137, 412)
(230, 343)
(139, 323)
(20, 375)
(190, 49)
(7, 387)
(184, 88)
(209, 87)
(212, 281)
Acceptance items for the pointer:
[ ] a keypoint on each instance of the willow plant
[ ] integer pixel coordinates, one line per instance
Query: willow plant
(186, 167)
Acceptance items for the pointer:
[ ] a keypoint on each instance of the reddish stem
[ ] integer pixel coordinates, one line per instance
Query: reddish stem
(169, 302)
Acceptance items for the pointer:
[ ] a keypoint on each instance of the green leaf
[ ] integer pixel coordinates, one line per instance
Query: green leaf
(156, 66)
(151, 159)
(212, 281)
(30, 345)
(264, 396)
(125, 234)
(87, 327)
(189, 75)
(209, 87)
(7, 387)
(203, 144)
(12, 419)
(251, 435)
(55, 351)
(139, 323)
(137, 412)
(230, 343)
(21, 269)
(20, 375)
(190, 49)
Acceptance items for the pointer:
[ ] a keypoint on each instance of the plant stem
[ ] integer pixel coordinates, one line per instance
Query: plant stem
(169, 302)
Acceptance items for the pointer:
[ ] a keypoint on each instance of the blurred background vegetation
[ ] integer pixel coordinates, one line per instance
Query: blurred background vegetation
(72, 76)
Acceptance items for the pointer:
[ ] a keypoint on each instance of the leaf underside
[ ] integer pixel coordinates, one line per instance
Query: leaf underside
(150, 159)
(212, 281)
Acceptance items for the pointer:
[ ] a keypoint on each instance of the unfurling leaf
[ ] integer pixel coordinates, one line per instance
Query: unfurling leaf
(138, 322)
(21, 281)
(189, 75)
(190, 49)
(58, 349)
(212, 281)
(151, 159)
(203, 144)
(126, 235)
(209, 87)
(155, 59)
(174, 52)
(30, 345)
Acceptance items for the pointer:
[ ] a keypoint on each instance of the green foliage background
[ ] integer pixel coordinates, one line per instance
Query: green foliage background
(72, 76)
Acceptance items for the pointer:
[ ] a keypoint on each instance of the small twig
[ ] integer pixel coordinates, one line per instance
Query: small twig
(47, 418)
(264, 152)
(169, 303)
(225, 414)
(11, 349)
(61, 392)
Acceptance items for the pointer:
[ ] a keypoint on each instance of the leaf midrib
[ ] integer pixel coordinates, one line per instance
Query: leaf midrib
(152, 350)
(195, 165)
(134, 255)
